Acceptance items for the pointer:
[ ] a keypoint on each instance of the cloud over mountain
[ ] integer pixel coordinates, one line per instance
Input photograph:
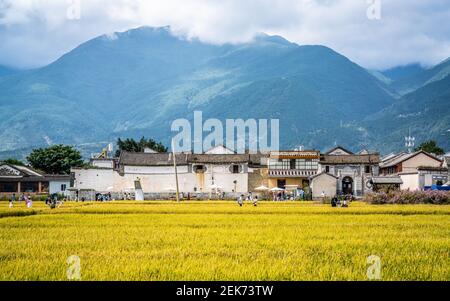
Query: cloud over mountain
(408, 31)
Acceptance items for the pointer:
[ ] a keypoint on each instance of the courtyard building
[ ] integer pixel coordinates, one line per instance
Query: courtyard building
(218, 173)
(352, 173)
(22, 179)
(291, 170)
(417, 170)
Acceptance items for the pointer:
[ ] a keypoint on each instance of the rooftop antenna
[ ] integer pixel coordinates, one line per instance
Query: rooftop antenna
(410, 142)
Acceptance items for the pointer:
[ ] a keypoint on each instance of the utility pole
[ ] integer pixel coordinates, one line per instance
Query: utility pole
(176, 171)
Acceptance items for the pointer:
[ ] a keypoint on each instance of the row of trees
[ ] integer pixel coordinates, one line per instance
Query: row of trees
(58, 159)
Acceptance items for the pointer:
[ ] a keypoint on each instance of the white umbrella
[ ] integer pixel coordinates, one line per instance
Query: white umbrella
(261, 188)
(214, 186)
(276, 189)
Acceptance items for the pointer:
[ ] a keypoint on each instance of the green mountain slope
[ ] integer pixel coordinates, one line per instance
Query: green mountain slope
(137, 82)
(417, 80)
(424, 112)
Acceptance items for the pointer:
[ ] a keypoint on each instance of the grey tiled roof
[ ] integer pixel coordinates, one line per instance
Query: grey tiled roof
(387, 180)
(165, 159)
(150, 159)
(350, 159)
(403, 157)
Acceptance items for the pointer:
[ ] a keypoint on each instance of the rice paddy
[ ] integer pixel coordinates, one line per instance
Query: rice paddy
(222, 241)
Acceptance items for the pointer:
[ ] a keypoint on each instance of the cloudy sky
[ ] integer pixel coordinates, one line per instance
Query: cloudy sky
(376, 34)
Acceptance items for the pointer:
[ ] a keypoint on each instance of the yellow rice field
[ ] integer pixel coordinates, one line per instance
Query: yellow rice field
(222, 241)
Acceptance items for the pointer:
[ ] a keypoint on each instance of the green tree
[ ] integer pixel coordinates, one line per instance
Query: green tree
(13, 162)
(430, 147)
(57, 159)
(131, 145)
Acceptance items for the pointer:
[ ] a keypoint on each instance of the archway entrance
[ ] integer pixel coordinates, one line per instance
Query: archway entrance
(347, 185)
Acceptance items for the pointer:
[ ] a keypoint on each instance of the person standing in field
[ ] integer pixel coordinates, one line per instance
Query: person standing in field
(255, 201)
(29, 202)
(241, 200)
(345, 203)
(12, 200)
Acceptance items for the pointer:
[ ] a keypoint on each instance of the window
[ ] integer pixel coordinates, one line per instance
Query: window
(281, 184)
(235, 168)
(63, 187)
(199, 169)
(367, 169)
(292, 164)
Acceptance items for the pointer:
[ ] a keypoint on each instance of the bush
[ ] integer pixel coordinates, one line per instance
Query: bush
(409, 197)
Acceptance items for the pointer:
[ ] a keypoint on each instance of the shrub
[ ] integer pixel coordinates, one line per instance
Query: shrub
(409, 197)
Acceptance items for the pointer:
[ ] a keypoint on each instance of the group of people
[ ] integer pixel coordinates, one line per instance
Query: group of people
(342, 201)
(105, 197)
(248, 198)
(297, 195)
(53, 201)
(23, 198)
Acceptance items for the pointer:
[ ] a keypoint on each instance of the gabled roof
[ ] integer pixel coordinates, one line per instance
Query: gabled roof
(405, 156)
(391, 157)
(350, 159)
(151, 159)
(205, 158)
(337, 148)
(387, 180)
(9, 170)
(219, 150)
(166, 159)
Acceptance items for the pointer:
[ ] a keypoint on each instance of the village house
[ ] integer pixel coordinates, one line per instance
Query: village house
(149, 175)
(291, 170)
(446, 164)
(417, 170)
(343, 172)
(22, 179)
(221, 172)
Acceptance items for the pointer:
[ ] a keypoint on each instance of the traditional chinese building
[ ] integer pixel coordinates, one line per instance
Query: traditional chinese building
(22, 179)
(216, 172)
(417, 170)
(291, 170)
(343, 172)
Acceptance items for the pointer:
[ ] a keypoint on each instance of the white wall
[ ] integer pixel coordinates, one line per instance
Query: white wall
(103, 163)
(324, 183)
(410, 181)
(160, 179)
(55, 187)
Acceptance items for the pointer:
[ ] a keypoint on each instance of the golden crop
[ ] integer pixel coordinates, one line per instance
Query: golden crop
(222, 241)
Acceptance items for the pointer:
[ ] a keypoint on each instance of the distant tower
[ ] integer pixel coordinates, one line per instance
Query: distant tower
(410, 142)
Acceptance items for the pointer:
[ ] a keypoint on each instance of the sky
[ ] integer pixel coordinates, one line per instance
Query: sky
(377, 34)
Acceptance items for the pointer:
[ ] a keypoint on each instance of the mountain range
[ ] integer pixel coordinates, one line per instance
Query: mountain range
(135, 83)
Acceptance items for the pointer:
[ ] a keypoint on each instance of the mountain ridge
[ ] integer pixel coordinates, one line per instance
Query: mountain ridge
(136, 82)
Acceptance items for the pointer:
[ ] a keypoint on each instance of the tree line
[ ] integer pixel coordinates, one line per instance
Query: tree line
(59, 159)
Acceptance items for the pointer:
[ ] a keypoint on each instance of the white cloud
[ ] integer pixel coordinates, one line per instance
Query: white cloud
(36, 32)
